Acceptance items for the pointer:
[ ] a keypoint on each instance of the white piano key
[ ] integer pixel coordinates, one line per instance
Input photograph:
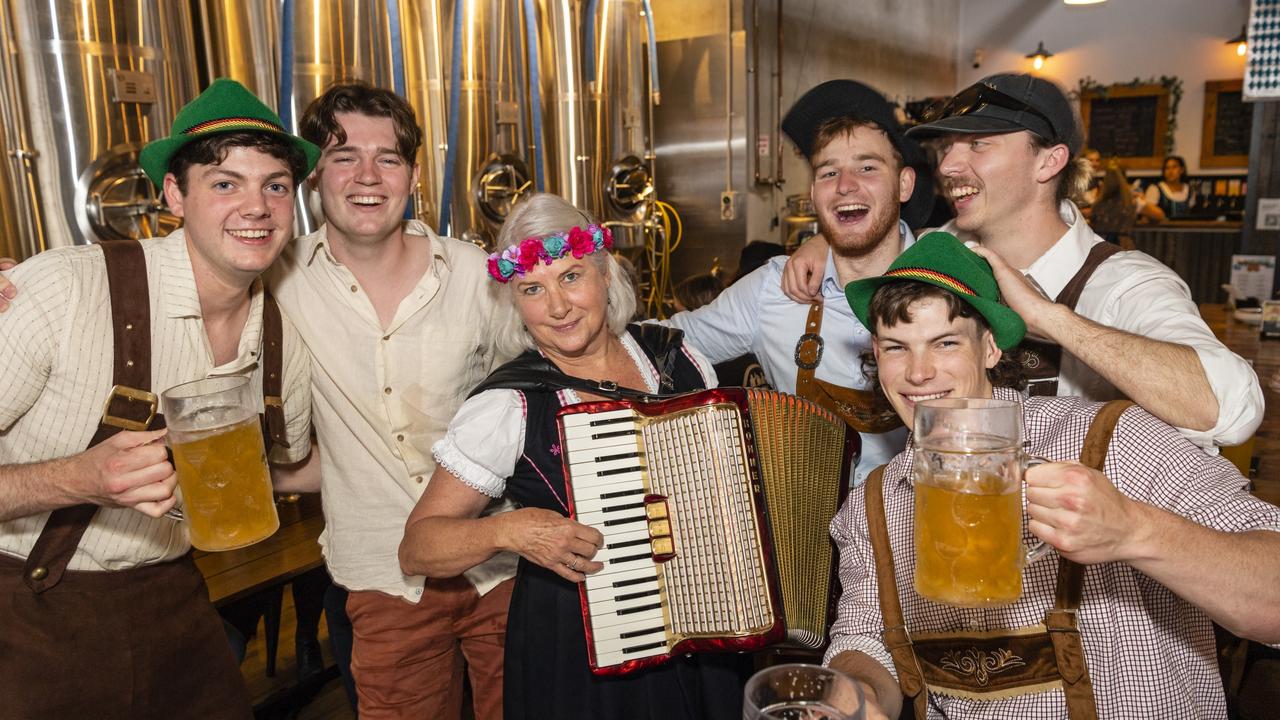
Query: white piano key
(584, 503)
(620, 572)
(590, 432)
(623, 598)
(620, 623)
(587, 486)
(588, 465)
(615, 648)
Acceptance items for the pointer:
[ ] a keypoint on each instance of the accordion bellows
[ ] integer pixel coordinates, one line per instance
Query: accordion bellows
(715, 509)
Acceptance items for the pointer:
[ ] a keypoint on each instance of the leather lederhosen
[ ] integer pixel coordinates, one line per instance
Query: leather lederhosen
(1042, 361)
(121, 606)
(866, 411)
(993, 664)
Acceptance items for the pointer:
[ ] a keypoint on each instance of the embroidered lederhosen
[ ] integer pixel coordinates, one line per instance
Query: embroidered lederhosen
(131, 404)
(863, 410)
(993, 664)
(1042, 362)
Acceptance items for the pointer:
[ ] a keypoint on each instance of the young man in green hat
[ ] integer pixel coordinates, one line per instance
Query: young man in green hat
(106, 614)
(1154, 539)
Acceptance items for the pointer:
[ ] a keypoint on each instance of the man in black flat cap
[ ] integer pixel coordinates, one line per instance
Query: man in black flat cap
(863, 178)
(1117, 324)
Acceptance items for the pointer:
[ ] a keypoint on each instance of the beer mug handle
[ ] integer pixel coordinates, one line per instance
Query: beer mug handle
(1040, 548)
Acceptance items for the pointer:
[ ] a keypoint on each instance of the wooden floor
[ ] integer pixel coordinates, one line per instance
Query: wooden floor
(331, 701)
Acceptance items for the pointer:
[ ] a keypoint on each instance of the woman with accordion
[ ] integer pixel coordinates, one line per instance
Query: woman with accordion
(565, 304)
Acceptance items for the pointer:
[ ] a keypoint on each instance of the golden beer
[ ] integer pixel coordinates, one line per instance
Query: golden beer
(969, 543)
(226, 487)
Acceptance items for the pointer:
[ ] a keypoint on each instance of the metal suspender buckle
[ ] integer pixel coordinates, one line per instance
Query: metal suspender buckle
(273, 401)
(130, 395)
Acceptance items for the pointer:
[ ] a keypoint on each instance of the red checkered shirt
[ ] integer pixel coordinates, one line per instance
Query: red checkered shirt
(1149, 652)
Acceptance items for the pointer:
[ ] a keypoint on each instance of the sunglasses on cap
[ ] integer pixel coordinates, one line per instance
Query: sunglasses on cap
(980, 95)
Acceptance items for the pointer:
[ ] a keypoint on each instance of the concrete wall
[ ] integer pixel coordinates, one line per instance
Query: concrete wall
(1111, 42)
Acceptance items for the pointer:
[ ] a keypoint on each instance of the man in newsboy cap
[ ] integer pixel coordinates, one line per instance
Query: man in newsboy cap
(1107, 323)
(105, 614)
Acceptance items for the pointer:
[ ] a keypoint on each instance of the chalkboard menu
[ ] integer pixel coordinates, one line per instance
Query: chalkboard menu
(1127, 122)
(1228, 122)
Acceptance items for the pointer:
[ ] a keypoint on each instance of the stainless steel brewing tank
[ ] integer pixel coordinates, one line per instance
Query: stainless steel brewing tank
(620, 180)
(492, 166)
(564, 144)
(95, 81)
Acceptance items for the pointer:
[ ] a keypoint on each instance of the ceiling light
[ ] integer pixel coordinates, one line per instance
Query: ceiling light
(1241, 42)
(1039, 56)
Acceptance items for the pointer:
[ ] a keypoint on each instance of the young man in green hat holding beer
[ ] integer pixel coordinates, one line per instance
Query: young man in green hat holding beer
(1154, 539)
(105, 613)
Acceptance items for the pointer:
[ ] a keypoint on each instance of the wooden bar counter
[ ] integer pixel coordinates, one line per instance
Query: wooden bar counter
(1199, 251)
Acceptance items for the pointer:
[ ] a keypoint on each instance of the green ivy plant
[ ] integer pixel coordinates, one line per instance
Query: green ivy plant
(1172, 83)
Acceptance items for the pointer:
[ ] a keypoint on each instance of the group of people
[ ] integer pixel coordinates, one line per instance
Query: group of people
(1113, 205)
(430, 377)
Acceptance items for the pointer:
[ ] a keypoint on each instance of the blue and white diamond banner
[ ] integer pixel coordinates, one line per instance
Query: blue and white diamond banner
(1262, 71)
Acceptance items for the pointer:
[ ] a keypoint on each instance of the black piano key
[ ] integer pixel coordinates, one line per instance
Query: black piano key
(620, 471)
(616, 433)
(630, 558)
(619, 456)
(635, 581)
(647, 646)
(639, 608)
(640, 633)
(634, 595)
(625, 521)
(621, 493)
(627, 506)
(611, 421)
(629, 543)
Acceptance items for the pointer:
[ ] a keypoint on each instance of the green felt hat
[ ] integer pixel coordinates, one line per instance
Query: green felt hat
(940, 259)
(225, 106)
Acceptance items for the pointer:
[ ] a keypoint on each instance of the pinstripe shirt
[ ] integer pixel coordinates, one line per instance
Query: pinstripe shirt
(1148, 651)
(56, 370)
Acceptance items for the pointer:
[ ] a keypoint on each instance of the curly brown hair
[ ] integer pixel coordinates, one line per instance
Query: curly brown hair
(891, 305)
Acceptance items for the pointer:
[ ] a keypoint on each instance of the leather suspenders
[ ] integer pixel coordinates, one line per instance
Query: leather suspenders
(132, 405)
(1043, 361)
(1046, 656)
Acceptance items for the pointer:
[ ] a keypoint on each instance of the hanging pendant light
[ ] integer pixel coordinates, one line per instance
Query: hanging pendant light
(1038, 57)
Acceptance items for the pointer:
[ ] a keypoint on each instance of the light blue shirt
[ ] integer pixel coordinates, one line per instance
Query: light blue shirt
(754, 316)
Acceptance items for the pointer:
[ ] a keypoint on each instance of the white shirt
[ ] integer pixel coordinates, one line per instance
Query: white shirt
(1134, 292)
(56, 371)
(384, 396)
(486, 438)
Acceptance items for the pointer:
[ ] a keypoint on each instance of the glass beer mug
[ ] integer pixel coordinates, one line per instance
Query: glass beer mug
(216, 438)
(968, 502)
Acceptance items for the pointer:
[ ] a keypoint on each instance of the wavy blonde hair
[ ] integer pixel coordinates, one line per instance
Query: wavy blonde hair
(544, 214)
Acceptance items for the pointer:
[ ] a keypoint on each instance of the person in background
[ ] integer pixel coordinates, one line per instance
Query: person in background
(565, 304)
(695, 291)
(1172, 194)
(104, 610)
(753, 255)
(862, 178)
(1107, 323)
(1118, 207)
(1153, 546)
(1096, 171)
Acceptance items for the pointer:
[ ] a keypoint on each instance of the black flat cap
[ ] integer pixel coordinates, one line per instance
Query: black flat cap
(1053, 118)
(850, 98)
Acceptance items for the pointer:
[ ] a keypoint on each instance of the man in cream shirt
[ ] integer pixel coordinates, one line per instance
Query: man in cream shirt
(396, 319)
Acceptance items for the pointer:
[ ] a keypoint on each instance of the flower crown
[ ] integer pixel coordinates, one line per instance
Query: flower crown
(520, 259)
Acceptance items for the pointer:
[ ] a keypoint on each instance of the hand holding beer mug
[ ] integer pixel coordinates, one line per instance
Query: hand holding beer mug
(218, 453)
(968, 502)
(800, 691)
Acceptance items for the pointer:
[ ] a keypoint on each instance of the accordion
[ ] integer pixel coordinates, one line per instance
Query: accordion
(714, 508)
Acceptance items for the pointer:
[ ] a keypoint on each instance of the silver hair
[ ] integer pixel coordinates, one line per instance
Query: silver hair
(544, 214)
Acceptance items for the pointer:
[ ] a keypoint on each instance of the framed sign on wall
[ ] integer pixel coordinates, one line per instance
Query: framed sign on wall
(1228, 121)
(1128, 122)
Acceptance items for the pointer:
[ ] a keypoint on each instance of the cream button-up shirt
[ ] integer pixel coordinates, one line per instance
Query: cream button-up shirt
(55, 373)
(384, 396)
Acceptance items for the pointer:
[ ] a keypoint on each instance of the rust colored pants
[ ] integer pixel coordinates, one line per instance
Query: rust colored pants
(141, 643)
(407, 659)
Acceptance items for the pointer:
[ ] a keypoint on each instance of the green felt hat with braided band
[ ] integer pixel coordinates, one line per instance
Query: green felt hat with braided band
(225, 106)
(940, 259)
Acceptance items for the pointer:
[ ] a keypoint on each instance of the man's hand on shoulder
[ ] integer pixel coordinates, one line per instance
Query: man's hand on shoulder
(129, 469)
(7, 289)
(1080, 513)
(802, 276)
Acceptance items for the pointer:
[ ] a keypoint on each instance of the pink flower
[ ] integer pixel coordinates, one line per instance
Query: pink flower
(530, 253)
(608, 238)
(493, 268)
(581, 243)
